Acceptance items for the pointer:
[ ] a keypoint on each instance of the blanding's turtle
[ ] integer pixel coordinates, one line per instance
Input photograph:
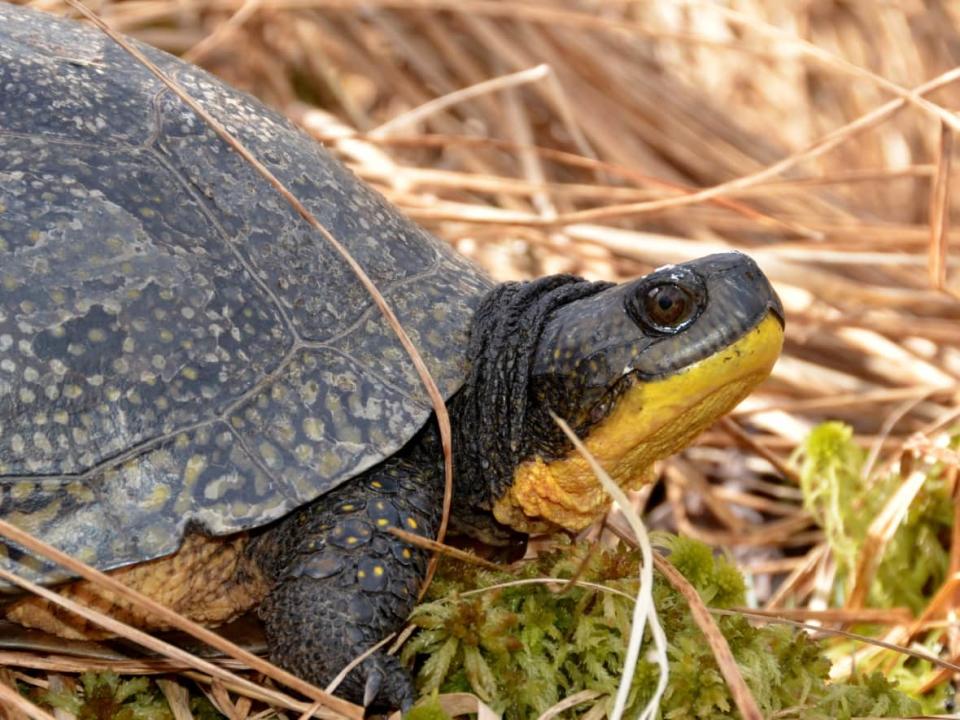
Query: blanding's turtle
(196, 392)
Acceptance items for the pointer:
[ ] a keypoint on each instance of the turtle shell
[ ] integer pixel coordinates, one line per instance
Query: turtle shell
(178, 348)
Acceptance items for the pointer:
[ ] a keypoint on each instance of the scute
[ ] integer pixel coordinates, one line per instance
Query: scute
(177, 345)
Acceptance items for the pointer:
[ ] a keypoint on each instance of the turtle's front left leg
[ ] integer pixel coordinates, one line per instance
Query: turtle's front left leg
(341, 582)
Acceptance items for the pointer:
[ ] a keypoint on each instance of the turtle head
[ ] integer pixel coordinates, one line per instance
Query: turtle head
(638, 370)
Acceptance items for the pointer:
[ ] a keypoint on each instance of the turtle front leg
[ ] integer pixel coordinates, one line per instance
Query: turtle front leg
(341, 582)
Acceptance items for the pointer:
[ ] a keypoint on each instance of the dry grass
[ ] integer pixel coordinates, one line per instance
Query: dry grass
(607, 137)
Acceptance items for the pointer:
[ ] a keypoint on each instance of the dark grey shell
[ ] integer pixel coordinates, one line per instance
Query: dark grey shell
(177, 346)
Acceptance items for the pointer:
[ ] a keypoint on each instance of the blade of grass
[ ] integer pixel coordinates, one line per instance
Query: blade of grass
(644, 609)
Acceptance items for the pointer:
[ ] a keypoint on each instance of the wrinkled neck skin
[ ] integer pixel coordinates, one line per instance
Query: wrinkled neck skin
(589, 353)
(497, 421)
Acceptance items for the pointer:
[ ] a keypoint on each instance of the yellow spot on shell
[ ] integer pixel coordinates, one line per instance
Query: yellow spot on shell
(304, 452)
(159, 496)
(378, 570)
(195, 466)
(411, 523)
(22, 490)
(313, 429)
(330, 463)
(80, 491)
(269, 454)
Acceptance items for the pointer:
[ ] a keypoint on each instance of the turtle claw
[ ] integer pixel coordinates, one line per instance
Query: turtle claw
(387, 683)
(372, 687)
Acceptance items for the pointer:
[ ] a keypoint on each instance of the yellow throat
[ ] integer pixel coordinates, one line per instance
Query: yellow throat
(650, 421)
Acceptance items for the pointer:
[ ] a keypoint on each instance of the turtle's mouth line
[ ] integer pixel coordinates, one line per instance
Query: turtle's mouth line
(649, 421)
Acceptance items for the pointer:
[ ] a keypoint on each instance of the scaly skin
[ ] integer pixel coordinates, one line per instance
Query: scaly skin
(342, 582)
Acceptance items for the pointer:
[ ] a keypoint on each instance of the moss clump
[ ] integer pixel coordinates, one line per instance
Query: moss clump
(844, 503)
(916, 559)
(525, 647)
(104, 696)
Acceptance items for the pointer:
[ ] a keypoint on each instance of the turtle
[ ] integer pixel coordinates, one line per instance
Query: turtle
(197, 394)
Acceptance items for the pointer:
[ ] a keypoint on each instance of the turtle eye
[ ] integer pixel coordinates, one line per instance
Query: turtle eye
(666, 307)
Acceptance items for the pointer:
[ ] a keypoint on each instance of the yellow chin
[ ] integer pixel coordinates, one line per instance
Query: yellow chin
(650, 421)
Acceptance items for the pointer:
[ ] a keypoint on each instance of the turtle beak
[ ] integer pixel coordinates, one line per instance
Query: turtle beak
(775, 307)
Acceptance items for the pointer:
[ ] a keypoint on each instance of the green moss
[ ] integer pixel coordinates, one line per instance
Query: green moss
(844, 504)
(524, 648)
(104, 696)
(428, 709)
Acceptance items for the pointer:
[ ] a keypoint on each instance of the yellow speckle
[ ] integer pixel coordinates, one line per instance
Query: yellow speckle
(329, 463)
(96, 335)
(190, 373)
(351, 540)
(22, 490)
(376, 484)
(383, 522)
(378, 570)
(361, 574)
(195, 465)
(313, 428)
(304, 453)
(411, 523)
(159, 496)
(407, 554)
